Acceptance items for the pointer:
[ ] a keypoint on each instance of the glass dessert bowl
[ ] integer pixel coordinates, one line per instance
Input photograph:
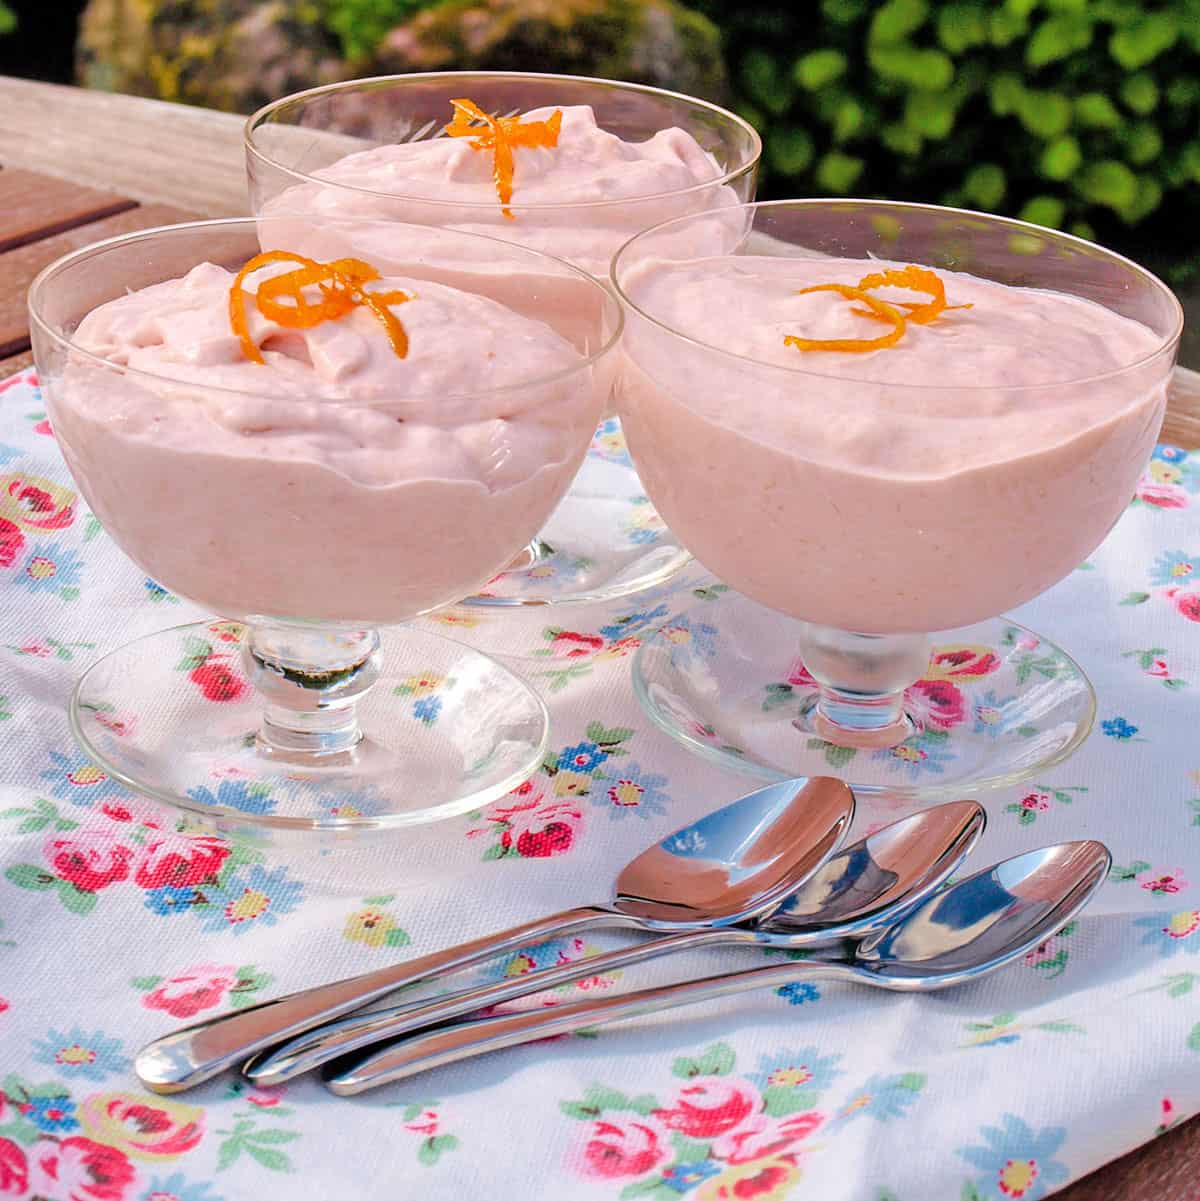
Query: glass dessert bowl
(312, 448)
(883, 425)
(568, 165)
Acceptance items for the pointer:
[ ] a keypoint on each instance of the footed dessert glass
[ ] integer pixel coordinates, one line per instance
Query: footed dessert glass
(605, 540)
(308, 517)
(874, 512)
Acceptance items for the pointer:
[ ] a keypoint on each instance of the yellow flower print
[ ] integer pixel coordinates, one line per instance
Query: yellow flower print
(251, 904)
(572, 783)
(789, 1077)
(370, 926)
(143, 1127)
(1165, 473)
(421, 685)
(1017, 1176)
(767, 1179)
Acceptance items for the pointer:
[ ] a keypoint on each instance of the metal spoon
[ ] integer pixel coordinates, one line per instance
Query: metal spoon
(957, 935)
(862, 888)
(731, 866)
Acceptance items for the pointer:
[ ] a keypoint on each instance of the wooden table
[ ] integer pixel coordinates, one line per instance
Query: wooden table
(78, 166)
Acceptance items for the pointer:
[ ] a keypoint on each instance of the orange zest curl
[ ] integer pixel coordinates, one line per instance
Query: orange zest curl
(341, 287)
(502, 135)
(884, 312)
(917, 279)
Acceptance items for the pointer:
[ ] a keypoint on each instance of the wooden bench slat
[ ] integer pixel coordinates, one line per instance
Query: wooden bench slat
(18, 267)
(37, 206)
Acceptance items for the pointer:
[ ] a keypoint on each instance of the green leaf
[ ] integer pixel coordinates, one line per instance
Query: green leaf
(1058, 37)
(1183, 91)
(1143, 142)
(1182, 984)
(1135, 598)
(432, 1148)
(75, 900)
(1044, 210)
(849, 118)
(912, 1081)
(1174, 684)
(766, 82)
(606, 737)
(1061, 1027)
(1140, 93)
(789, 149)
(396, 938)
(837, 173)
(643, 1188)
(20, 1131)
(718, 1060)
(496, 851)
(1061, 158)
(819, 68)
(276, 1161)
(932, 70)
(145, 983)
(779, 1102)
(900, 139)
(273, 1137)
(8, 19)
(970, 1192)
(1046, 114)
(1193, 1041)
(1007, 24)
(897, 19)
(1146, 199)
(231, 1148)
(1005, 92)
(931, 113)
(961, 26)
(29, 875)
(1108, 183)
(1095, 111)
(1143, 40)
(689, 1150)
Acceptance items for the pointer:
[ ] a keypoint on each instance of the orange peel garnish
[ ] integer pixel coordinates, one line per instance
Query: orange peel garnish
(883, 312)
(916, 279)
(342, 287)
(502, 135)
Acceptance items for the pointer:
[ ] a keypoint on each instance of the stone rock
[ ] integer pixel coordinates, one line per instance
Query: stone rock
(228, 54)
(658, 42)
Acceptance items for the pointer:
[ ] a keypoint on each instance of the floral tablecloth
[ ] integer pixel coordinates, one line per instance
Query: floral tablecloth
(116, 926)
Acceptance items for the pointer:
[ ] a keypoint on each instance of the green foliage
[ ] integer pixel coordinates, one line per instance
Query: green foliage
(361, 25)
(8, 18)
(1077, 114)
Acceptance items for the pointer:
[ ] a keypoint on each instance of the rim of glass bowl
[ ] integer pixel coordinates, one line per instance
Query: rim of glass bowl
(226, 819)
(265, 114)
(1165, 345)
(67, 261)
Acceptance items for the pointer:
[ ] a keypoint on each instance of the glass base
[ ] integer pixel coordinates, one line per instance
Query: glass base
(996, 704)
(605, 540)
(441, 729)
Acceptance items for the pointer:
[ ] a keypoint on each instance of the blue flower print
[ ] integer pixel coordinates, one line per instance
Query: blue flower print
(533, 959)
(167, 900)
(689, 640)
(1173, 568)
(351, 803)
(631, 789)
(1016, 1162)
(1169, 454)
(251, 898)
(683, 1177)
(631, 623)
(1171, 932)
(883, 1098)
(1118, 728)
(923, 755)
(803, 1069)
(8, 453)
(988, 712)
(427, 709)
(51, 1114)
(247, 796)
(608, 444)
(78, 1053)
(156, 591)
(798, 994)
(52, 569)
(643, 525)
(177, 1188)
(77, 779)
(583, 756)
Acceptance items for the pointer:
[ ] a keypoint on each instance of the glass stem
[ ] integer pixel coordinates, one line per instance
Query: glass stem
(537, 551)
(311, 679)
(861, 681)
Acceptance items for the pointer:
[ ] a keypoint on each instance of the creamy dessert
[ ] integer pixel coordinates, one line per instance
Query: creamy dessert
(571, 189)
(906, 470)
(316, 442)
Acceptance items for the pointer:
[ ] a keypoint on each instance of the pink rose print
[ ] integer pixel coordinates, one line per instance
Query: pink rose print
(628, 1148)
(185, 995)
(1163, 883)
(1039, 802)
(11, 542)
(1187, 604)
(124, 809)
(14, 1169)
(1162, 496)
(568, 645)
(936, 703)
(961, 662)
(426, 1123)
(709, 1106)
(43, 427)
(91, 859)
(78, 1169)
(536, 829)
(40, 507)
(762, 1136)
(115, 724)
(177, 862)
(217, 680)
(800, 677)
(143, 1127)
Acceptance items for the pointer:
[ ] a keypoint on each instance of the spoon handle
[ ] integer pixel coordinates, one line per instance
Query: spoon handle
(198, 1052)
(463, 1040)
(330, 1040)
